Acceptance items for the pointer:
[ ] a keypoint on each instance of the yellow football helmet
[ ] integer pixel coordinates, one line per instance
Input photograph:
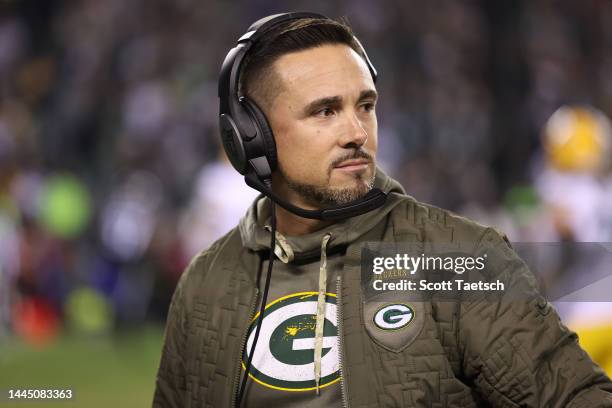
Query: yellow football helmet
(577, 138)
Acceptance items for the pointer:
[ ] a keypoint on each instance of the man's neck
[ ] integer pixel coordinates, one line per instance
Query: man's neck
(290, 224)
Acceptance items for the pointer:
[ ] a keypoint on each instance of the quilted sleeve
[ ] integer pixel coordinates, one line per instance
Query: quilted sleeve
(170, 386)
(516, 351)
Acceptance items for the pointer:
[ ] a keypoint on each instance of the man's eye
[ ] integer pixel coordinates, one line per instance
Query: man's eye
(325, 112)
(368, 106)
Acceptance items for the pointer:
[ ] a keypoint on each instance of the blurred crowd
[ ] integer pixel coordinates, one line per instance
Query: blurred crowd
(111, 175)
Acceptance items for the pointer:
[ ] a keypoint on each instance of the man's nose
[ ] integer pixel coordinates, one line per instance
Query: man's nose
(354, 132)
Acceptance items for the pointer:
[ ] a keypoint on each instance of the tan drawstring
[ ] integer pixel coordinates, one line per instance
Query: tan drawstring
(282, 249)
(321, 310)
(285, 254)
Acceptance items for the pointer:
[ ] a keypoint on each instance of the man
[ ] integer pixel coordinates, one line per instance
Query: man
(321, 341)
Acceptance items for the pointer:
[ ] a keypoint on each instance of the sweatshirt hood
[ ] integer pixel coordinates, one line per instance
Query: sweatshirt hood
(255, 226)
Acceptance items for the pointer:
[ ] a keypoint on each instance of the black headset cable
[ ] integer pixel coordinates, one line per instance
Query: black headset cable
(263, 301)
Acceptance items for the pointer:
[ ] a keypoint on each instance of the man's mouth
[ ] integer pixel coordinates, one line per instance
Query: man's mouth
(353, 165)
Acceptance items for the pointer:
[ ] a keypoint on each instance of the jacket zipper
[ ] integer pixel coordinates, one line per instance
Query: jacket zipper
(243, 345)
(343, 386)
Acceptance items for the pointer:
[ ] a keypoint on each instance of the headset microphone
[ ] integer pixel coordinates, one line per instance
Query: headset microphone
(372, 200)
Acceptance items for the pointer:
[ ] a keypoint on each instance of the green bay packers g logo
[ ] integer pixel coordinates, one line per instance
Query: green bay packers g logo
(393, 317)
(284, 356)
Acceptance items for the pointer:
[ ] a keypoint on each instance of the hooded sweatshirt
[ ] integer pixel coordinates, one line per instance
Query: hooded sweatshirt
(296, 360)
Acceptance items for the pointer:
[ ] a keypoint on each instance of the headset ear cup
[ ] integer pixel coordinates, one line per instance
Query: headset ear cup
(265, 130)
(232, 143)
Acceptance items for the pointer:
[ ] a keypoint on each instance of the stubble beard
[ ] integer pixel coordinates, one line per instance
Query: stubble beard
(326, 196)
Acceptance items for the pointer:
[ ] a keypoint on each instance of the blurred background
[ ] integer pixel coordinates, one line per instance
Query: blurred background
(111, 175)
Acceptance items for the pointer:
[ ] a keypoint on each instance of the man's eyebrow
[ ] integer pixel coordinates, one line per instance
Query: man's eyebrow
(368, 94)
(322, 102)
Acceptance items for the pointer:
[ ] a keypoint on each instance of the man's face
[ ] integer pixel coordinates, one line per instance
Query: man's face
(324, 125)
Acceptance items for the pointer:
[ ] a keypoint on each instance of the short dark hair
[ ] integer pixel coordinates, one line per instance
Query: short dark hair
(257, 80)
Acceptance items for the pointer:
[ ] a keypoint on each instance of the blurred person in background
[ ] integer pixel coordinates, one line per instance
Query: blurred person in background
(573, 180)
(210, 214)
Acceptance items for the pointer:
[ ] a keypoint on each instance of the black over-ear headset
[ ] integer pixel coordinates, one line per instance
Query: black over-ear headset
(248, 139)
